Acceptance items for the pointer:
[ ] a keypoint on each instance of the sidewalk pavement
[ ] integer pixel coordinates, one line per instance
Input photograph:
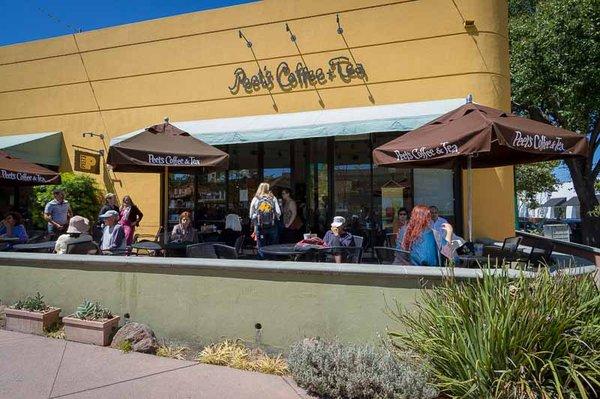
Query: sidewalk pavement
(34, 367)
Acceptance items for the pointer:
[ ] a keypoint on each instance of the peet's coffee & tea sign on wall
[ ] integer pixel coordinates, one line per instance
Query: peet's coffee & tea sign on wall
(288, 77)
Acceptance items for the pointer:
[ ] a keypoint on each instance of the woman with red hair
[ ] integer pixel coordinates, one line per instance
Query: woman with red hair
(421, 241)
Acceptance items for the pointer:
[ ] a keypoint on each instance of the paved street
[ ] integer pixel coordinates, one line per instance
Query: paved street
(34, 367)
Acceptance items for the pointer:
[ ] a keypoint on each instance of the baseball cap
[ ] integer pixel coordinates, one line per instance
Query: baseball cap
(108, 214)
(338, 221)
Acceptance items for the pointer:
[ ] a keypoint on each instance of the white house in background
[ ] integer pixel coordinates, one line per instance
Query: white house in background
(551, 204)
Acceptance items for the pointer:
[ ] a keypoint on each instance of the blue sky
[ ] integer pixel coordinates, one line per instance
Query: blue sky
(26, 20)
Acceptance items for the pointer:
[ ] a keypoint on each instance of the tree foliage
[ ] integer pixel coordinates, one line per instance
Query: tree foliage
(555, 73)
(533, 179)
(81, 191)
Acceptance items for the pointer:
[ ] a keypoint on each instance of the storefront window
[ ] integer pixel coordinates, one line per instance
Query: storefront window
(352, 181)
(436, 187)
(210, 202)
(317, 186)
(392, 188)
(277, 166)
(243, 178)
(181, 196)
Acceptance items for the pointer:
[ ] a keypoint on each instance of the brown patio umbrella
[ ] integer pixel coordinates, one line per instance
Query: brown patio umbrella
(18, 172)
(475, 136)
(161, 148)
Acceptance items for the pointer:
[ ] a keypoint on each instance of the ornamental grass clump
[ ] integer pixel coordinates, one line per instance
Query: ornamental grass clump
(235, 354)
(350, 371)
(503, 337)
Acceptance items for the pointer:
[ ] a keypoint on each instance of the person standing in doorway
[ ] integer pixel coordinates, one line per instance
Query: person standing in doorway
(264, 212)
(291, 220)
(130, 217)
(57, 213)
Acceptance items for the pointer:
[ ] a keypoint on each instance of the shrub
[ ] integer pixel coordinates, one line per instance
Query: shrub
(235, 354)
(81, 191)
(174, 352)
(336, 370)
(92, 311)
(502, 337)
(32, 303)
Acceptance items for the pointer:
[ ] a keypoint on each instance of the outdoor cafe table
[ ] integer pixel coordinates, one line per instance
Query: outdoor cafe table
(282, 251)
(46, 246)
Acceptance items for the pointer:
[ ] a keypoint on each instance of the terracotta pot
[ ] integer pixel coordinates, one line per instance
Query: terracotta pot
(30, 322)
(88, 331)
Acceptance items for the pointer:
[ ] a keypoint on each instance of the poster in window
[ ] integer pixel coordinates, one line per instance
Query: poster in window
(392, 199)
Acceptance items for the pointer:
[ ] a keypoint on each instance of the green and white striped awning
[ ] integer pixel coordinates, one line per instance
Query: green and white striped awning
(40, 148)
(323, 123)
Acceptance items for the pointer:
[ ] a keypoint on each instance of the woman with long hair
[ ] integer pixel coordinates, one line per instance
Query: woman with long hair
(130, 217)
(421, 241)
(264, 212)
(184, 231)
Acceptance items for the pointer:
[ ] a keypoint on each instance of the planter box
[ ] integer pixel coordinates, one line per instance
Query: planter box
(88, 331)
(30, 322)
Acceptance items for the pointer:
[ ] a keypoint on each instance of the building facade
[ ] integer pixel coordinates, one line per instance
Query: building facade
(274, 57)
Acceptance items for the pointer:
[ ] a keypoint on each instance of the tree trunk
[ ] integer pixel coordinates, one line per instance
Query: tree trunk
(583, 182)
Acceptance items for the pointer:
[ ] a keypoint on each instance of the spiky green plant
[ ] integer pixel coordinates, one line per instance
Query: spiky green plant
(502, 337)
(32, 303)
(89, 310)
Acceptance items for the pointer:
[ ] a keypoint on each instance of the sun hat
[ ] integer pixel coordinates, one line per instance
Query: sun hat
(78, 224)
(109, 214)
(338, 221)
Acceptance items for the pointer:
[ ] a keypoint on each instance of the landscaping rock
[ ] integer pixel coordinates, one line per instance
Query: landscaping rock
(142, 338)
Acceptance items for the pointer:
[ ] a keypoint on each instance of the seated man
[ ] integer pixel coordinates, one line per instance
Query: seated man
(113, 236)
(338, 237)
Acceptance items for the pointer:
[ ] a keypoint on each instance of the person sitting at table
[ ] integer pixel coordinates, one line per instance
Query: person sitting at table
(113, 236)
(424, 243)
(183, 231)
(77, 232)
(12, 227)
(437, 222)
(338, 237)
(232, 231)
(401, 220)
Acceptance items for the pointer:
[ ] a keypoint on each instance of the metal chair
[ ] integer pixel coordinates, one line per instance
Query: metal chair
(392, 256)
(225, 251)
(83, 248)
(541, 254)
(149, 237)
(508, 252)
(201, 250)
(359, 242)
(349, 254)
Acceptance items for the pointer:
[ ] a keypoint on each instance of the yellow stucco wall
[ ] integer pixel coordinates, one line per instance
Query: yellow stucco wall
(181, 67)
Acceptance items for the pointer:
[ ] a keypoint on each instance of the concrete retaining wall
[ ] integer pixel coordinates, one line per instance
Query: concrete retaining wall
(211, 299)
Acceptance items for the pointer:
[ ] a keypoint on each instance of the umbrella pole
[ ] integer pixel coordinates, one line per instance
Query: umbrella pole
(470, 197)
(166, 206)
